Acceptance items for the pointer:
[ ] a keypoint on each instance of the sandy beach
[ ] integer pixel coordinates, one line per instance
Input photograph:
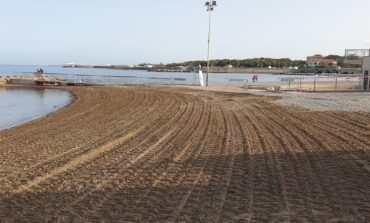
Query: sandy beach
(157, 154)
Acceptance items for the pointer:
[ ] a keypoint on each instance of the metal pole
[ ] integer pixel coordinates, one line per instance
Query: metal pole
(209, 43)
(366, 81)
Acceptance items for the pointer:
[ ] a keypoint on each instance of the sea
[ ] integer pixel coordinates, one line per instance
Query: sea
(21, 105)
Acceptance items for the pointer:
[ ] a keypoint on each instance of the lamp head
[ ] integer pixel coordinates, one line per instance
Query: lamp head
(211, 5)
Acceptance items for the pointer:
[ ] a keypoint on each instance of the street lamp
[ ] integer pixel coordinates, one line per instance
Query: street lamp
(210, 7)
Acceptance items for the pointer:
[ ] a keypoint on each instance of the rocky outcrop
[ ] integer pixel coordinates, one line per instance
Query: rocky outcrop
(3, 81)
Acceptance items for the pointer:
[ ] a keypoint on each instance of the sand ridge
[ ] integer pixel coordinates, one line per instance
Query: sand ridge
(147, 154)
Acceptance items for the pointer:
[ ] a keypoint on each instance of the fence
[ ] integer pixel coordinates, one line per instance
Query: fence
(321, 83)
(309, 84)
(124, 80)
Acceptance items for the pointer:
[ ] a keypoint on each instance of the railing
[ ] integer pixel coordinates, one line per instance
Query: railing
(120, 80)
(314, 84)
(329, 83)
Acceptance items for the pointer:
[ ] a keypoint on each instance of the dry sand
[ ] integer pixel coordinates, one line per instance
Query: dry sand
(146, 154)
(339, 101)
(351, 101)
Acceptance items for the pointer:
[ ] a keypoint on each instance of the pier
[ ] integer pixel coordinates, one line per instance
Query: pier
(34, 81)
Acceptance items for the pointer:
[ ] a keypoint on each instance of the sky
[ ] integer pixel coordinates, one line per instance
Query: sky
(163, 31)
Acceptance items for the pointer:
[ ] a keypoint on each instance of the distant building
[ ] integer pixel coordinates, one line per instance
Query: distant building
(317, 60)
(293, 68)
(181, 68)
(69, 64)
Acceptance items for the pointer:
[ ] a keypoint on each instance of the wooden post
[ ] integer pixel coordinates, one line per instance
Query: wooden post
(366, 81)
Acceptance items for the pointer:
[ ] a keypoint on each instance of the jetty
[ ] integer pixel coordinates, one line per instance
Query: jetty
(33, 81)
(3, 81)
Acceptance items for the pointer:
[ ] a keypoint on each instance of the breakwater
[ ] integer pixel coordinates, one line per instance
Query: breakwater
(3, 81)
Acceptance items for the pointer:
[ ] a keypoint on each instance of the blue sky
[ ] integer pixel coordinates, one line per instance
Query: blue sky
(130, 32)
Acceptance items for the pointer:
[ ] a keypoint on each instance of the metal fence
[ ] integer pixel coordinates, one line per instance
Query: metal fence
(124, 80)
(314, 83)
(307, 84)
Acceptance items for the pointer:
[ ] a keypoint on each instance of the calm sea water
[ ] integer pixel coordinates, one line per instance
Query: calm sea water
(72, 72)
(20, 105)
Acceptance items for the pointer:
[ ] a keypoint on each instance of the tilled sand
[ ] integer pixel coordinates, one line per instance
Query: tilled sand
(167, 155)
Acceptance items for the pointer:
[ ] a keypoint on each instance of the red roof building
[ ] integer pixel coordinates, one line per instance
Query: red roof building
(318, 60)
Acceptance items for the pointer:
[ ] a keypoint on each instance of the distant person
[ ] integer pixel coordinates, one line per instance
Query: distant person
(254, 79)
(40, 71)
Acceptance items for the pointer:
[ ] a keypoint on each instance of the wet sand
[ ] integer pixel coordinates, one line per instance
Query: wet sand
(153, 154)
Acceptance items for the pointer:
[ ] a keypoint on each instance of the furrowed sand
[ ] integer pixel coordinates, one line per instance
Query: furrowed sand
(156, 154)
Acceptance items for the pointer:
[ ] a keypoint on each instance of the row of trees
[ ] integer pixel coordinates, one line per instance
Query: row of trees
(258, 63)
(246, 63)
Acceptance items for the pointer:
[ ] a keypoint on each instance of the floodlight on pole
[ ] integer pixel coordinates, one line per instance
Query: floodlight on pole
(210, 8)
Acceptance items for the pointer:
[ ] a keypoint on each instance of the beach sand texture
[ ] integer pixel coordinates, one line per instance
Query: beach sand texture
(152, 154)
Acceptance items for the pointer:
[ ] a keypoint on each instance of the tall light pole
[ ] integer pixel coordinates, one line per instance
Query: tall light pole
(210, 7)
